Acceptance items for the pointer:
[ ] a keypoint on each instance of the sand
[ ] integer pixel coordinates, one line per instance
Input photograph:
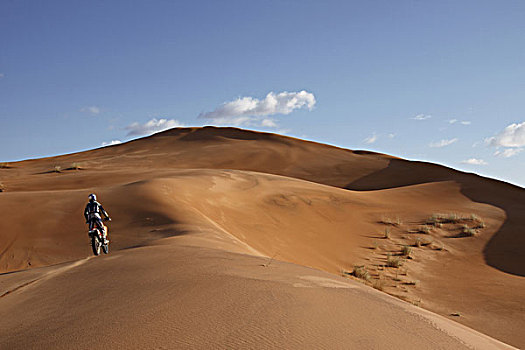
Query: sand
(228, 238)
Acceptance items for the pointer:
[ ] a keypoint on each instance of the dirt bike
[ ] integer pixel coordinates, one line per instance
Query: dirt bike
(97, 238)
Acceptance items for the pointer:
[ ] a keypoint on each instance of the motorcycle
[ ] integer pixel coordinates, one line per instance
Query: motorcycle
(97, 239)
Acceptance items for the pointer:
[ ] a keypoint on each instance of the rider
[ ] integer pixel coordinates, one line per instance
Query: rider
(92, 215)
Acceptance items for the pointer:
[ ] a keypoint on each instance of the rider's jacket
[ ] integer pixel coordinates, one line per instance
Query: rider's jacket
(93, 210)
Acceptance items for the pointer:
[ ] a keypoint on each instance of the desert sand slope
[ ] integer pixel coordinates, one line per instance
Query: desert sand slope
(231, 192)
(196, 148)
(187, 296)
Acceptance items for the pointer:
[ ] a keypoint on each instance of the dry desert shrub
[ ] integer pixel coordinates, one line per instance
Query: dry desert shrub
(433, 220)
(468, 231)
(438, 219)
(387, 220)
(453, 218)
(57, 169)
(480, 224)
(422, 242)
(425, 229)
(2, 187)
(411, 283)
(393, 261)
(378, 284)
(438, 246)
(4, 165)
(474, 217)
(361, 272)
(386, 234)
(406, 250)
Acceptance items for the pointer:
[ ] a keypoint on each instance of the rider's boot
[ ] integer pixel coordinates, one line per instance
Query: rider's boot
(105, 236)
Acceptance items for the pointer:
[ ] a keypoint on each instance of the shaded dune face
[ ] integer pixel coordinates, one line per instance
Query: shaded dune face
(272, 196)
(504, 251)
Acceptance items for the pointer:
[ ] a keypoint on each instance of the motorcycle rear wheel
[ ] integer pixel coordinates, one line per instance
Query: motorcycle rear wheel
(95, 245)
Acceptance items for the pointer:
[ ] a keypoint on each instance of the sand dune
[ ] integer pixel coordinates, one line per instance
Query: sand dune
(198, 211)
(179, 296)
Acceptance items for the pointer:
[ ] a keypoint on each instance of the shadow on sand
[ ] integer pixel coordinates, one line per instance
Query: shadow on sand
(504, 251)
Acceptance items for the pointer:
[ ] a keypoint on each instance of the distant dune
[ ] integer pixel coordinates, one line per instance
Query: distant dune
(229, 238)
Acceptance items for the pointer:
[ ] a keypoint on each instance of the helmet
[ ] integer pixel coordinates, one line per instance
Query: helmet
(92, 197)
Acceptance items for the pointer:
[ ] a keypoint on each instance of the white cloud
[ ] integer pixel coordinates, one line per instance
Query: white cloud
(512, 136)
(250, 110)
(283, 131)
(422, 117)
(462, 122)
(474, 161)
(91, 109)
(391, 136)
(508, 152)
(370, 139)
(152, 126)
(443, 143)
(2, 75)
(111, 143)
(270, 123)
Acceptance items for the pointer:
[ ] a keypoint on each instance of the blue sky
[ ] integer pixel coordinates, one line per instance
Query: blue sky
(440, 81)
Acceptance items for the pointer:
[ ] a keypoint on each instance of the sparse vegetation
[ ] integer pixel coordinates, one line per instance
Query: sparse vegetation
(4, 166)
(378, 284)
(75, 166)
(394, 261)
(2, 187)
(397, 279)
(422, 242)
(411, 283)
(453, 218)
(474, 217)
(57, 169)
(438, 219)
(438, 246)
(406, 250)
(468, 231)
(386, 220)
(361, 272)
(416, 302)
(425, 229)
(386, 233)
(433, 220)
(480, 225)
